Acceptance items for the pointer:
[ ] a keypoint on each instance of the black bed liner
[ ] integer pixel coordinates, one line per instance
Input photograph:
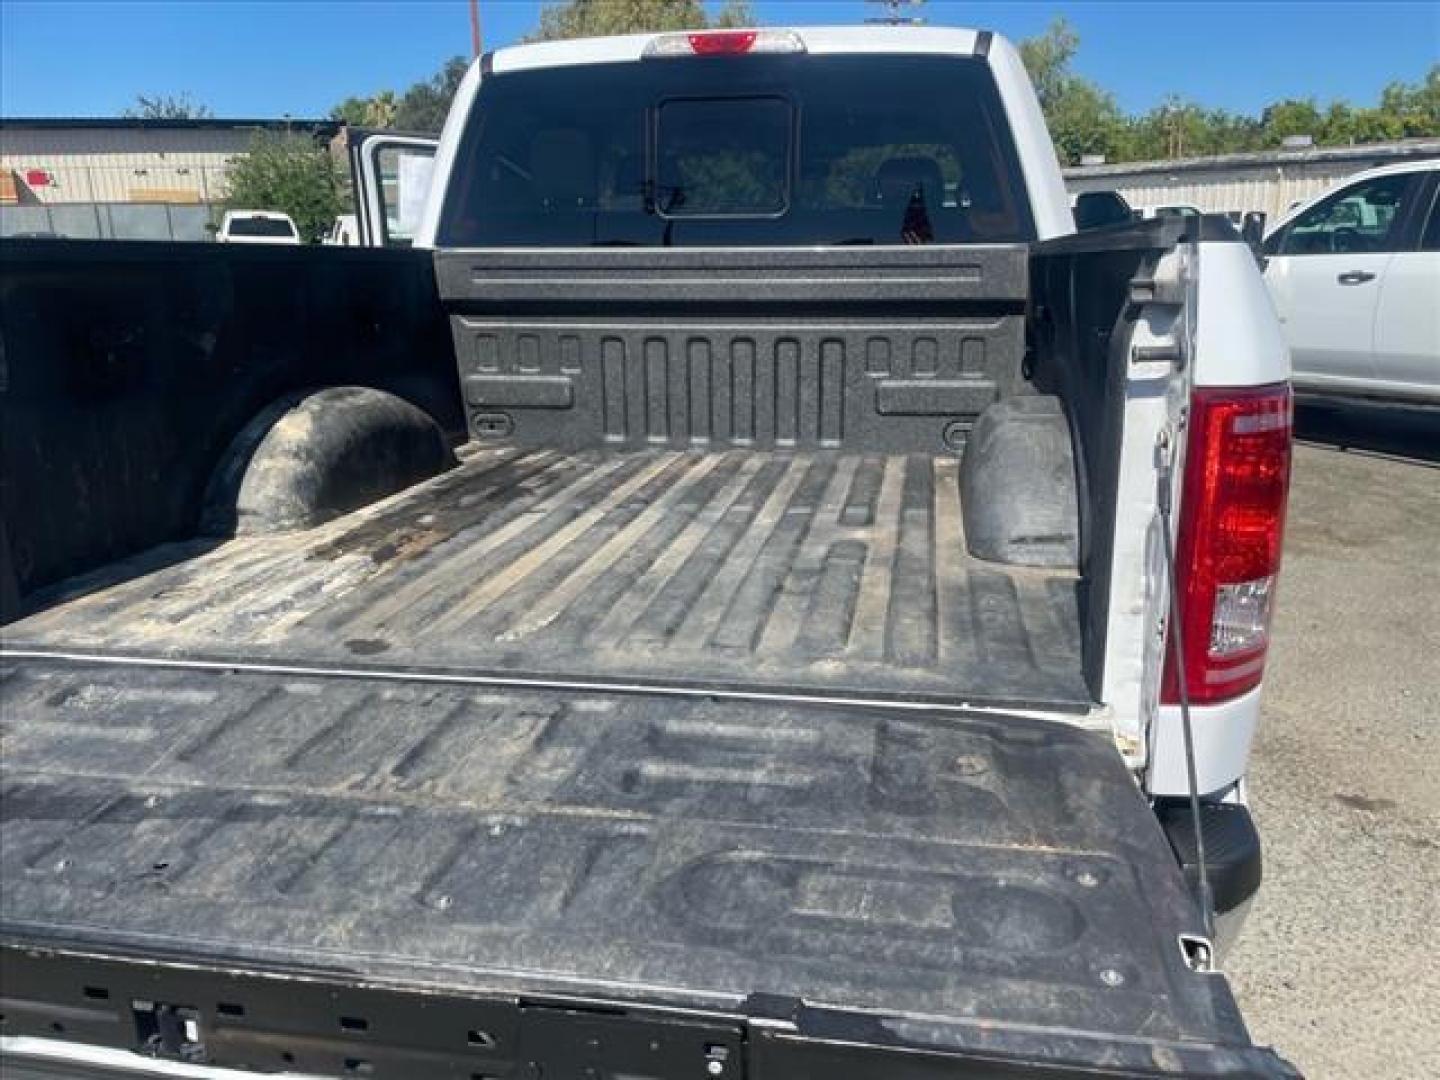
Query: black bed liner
(811, 572)
(783, 880)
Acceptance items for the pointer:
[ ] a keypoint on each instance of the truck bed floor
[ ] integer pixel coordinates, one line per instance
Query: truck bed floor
(842, 574)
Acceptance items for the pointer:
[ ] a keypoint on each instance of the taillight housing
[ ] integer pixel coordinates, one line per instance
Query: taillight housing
(1232, 524)
(724, 43)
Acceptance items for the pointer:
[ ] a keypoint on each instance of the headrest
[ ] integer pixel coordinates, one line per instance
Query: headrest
(898, 177)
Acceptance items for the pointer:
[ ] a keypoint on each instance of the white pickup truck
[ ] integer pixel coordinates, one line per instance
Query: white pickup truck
(256, 227)
(750, 593)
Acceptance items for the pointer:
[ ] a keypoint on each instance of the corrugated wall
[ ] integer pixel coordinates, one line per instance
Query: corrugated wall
(116, 166)
(1272, 185)
(112, 178)
(1219, 193)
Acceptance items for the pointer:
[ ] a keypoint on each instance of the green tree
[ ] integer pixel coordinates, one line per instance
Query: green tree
(377, 111)
(380, 110)
(426, 104)
(288, 172)
(1415, 109)
(602, 18)
(167, 107)
(1232, 133)
(352, 111)
(1047, 58)
(1346, 126)
(1083, 118)
(1178, 128)
(1293, 116)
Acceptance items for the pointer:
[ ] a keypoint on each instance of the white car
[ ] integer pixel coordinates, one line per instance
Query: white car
(1355, 276)
(257, 227)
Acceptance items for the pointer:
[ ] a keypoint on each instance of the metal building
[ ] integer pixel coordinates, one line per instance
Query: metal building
(1271, 181)
(92, 177)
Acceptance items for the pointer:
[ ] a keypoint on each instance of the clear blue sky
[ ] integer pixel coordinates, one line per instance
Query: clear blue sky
(298, 57)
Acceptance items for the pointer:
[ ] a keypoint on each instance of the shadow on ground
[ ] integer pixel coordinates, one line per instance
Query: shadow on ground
(1372, 426)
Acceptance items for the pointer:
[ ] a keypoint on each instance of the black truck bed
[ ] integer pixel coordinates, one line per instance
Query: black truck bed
(818, 572)
(785, 879)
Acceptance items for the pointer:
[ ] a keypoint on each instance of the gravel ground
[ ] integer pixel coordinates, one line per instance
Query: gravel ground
(1337, 965)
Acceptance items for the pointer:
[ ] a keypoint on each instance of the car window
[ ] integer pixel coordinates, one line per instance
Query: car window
(404, 178)
(260, 226)
(1364, 217)
(1430, 239)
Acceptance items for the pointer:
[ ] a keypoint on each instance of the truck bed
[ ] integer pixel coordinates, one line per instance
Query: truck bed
(789, 875)
(835, 574)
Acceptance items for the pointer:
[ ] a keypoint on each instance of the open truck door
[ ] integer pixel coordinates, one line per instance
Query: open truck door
(391, 178)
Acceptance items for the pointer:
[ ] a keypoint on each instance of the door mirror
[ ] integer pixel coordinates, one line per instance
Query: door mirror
(1099, 209)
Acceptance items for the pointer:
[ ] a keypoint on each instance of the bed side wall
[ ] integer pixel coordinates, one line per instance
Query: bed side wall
(126, 369)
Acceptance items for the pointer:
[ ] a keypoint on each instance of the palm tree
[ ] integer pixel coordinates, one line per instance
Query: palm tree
(380, 110)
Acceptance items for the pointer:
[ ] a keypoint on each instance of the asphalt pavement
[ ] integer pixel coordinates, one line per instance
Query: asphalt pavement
(1337, 966)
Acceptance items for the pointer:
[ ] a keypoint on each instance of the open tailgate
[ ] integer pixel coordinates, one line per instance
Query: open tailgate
(383, 875)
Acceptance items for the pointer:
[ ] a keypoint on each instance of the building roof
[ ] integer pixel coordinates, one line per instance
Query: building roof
(125, 122)
(1372, 153)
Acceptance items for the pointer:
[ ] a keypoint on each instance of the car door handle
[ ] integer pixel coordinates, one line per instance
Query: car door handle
(1355, 277)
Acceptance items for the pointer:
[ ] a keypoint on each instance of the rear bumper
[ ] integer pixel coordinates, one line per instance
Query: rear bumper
(1232, 849)
(1223, 734)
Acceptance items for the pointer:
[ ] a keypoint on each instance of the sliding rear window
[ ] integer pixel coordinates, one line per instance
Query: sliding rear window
(738, 151)
(260, 226)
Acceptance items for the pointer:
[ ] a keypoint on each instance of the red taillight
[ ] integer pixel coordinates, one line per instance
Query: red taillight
(722, 42)
(1232, 522)
(37, 178)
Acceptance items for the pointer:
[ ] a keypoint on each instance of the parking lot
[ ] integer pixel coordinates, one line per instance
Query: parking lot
(1336, 966)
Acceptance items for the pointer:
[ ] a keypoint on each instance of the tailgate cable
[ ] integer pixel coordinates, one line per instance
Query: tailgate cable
(1175, 642)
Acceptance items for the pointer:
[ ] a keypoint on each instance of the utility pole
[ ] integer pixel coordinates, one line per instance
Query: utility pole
(475, 27)
(892, 16)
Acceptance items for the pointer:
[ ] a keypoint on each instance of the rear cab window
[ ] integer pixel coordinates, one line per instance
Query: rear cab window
(260, 226)
(739, 151)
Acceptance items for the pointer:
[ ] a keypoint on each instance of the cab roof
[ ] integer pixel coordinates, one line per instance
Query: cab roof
(818, 40)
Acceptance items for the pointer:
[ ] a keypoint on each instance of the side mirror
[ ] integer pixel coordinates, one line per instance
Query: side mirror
(1098, 209)
(1252, 231)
